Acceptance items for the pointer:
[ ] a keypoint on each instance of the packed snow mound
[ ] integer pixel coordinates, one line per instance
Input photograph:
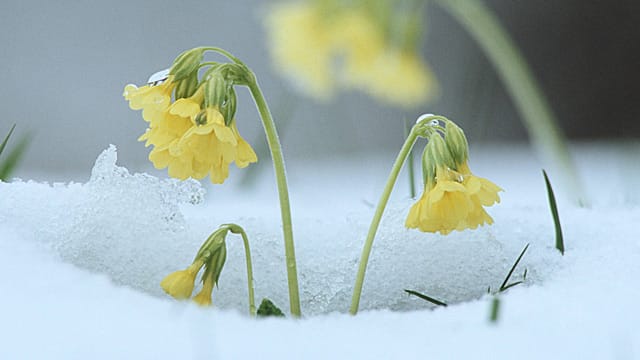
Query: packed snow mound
(115, 224)
(132, 229)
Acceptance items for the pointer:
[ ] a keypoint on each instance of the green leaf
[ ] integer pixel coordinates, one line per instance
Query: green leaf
(4, 143)
(554, 213)
(504, 285)
(268, 308)
(425, 297)
(13, 158)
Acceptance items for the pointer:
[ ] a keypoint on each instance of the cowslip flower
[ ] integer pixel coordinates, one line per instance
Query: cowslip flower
(188, 139)
(444, 206)
(454, 198)
(399, 77)
(301, 47)
(179, 284)
(361, 46)
(203, 298)
(152, 99)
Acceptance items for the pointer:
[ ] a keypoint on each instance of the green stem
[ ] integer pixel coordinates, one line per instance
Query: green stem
(247, 255)
(283, 192)
(236, 229)
(512, 68)
(373, 228)
(410, 164)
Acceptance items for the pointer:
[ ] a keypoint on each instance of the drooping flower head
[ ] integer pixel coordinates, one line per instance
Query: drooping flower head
(179, 284)
(193, 132)
(453, 198)
(212, 256)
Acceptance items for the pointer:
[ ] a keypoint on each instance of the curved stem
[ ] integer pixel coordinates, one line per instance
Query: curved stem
(373, 228)
(283, 192)
(223, 52)
(236, 229)
(247, 255)
(512, 68)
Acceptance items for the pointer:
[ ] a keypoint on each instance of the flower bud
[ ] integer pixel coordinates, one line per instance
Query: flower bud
(187, 87)
(456, 143)
(187, 63)
(437, 152)
(228, 108)
(215, 91)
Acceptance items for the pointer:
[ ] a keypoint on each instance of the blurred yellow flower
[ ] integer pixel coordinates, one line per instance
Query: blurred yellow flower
(317, 45)
(302, 47)
(179, 284)
(400, 77)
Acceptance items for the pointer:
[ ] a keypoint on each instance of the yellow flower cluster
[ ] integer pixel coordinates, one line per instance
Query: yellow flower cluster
(453, 202)
(189, 139)
(453, 198)
(318, 48)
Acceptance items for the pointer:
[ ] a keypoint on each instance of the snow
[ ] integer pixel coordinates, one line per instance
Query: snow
(82, 263)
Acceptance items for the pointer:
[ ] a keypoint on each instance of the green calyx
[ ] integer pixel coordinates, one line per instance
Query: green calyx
(436, 154)
(219, 93)
(213, 253)
(187, 63)
(456, 142)
(187, 86)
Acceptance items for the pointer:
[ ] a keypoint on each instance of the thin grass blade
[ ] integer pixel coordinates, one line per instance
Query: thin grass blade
(425, 297)
(6, 139)
(495, 309)
(554, 213)
(13, 158)
(504, 286)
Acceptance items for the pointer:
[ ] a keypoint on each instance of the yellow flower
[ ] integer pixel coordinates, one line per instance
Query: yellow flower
(399, 77)
(152, 99)
(179, 284)
(190, 141)
(301, 46)
(443, 207)
(359, 40)
(482, 192)
(203, 298)
(455, 202)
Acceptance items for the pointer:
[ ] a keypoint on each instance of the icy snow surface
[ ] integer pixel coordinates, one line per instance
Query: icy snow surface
(82, 263)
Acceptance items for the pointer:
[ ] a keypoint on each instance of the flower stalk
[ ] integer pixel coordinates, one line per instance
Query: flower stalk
(283, 193)
(417, 130)
(194, 133)
(453, 198)
(249, 79)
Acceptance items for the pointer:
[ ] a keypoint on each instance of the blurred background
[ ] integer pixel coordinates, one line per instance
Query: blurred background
(64, 65)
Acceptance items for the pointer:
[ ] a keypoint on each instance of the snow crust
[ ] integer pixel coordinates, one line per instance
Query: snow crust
(82, 263)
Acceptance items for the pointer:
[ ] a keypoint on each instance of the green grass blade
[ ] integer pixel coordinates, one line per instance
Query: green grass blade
(495, 309)
(13, 158)
(425, 297)
(504, 286)
(554, 213)
(6, 139)
(511, 285)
